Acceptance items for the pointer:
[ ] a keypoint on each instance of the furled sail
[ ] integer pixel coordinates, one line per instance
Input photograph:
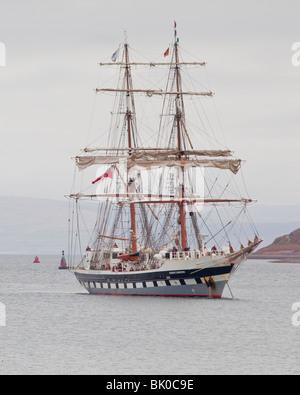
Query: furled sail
(163, 151)
(156, 160)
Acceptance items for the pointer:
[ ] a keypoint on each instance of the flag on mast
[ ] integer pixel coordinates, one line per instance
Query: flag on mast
(107, 174)
(115, 55)
(167, 52)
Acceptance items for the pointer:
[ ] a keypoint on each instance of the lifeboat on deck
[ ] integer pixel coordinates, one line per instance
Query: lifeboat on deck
(129, 257)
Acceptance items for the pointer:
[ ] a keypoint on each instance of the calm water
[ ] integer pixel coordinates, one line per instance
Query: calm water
(54, 327)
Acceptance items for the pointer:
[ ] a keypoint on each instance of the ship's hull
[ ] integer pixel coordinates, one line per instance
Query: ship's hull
(207, 282)
(204, 277)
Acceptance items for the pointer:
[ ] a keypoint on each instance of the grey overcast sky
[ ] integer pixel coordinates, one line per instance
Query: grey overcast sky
(47, 86)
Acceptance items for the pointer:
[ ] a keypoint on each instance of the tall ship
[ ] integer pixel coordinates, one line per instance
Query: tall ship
(169, 217)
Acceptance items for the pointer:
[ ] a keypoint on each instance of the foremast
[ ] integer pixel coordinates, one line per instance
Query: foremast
(131, 139)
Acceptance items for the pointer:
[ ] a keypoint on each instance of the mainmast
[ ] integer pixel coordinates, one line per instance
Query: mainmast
(179, 116)
(130, 145)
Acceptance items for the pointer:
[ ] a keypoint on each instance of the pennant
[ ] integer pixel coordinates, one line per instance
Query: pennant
(107, 174)
(115, 55)
(167, 52)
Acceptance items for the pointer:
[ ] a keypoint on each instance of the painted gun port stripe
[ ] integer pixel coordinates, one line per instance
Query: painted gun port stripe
(149, 284)
(144, 284)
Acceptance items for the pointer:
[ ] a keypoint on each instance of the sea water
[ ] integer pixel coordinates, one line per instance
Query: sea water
(52, 326)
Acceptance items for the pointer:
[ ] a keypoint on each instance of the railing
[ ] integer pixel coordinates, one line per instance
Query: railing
(177, 255)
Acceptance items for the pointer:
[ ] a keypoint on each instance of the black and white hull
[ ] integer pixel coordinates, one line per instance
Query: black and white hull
(206, 276)
(208, 282)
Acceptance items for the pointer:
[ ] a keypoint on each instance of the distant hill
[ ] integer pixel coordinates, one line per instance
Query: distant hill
(285, 248)
(292, 239)
(37, 226)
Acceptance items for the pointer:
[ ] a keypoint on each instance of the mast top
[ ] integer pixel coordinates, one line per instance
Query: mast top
(125, 36)
(175, 32)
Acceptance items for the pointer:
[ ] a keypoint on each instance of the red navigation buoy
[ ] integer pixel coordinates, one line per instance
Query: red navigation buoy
(63, 263)
(36, 260)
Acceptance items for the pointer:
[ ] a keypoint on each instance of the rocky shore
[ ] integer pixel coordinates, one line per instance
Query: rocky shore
(284, 249)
